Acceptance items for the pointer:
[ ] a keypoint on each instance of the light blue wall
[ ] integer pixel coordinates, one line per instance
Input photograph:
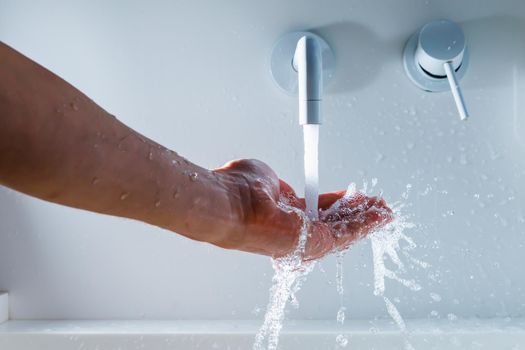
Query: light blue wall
(193, 75)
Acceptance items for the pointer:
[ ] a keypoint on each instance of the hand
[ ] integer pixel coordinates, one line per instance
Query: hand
(269, 223)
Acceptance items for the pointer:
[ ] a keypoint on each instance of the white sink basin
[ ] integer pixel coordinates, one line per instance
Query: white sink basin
(423, 334)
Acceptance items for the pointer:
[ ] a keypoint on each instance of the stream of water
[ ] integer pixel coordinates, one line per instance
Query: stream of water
(311, 169)
(291, 271)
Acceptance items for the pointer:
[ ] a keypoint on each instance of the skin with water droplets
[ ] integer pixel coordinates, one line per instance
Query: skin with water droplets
(124, 195)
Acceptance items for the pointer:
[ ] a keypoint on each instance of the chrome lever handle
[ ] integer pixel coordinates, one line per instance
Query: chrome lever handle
(456, 91)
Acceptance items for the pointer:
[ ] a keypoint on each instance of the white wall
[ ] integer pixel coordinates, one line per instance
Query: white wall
(194, 76)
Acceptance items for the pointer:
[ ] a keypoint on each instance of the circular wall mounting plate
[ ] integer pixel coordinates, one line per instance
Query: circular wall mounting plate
(281, 63)
(421, 78)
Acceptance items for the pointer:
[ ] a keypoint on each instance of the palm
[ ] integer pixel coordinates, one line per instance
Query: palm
(271, 225)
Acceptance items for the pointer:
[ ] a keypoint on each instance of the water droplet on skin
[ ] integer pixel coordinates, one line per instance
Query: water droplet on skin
(124, 195)
(95, 181)
(157, 204)
(175, 162)
(176, 193)
(150, 156)
(193, 176)
(74, 106)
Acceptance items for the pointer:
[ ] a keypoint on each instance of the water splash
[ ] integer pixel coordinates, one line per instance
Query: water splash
(289, 273)
(387, 244)
(340, 339)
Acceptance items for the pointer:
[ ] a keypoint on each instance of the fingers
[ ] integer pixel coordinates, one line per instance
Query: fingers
(285, 188)
(287, 194)
(326, 200)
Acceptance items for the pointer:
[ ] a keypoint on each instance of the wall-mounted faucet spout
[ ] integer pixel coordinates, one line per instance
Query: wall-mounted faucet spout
(301, 63)
(308, 50)
(308, 63)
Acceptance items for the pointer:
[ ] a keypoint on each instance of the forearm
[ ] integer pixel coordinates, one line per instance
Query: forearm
(58, 145)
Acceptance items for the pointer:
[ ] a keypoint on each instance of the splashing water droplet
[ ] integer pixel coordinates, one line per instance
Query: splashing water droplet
(341, 315)
(452, 317)
(341, 340)
(124, 195)
(436, 297)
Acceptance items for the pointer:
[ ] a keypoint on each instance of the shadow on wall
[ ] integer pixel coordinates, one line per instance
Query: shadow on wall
(497, 60)
(496, 48)
(495, 43)
(360, 54)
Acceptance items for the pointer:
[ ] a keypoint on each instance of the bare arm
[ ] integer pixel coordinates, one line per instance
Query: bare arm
(58, 145)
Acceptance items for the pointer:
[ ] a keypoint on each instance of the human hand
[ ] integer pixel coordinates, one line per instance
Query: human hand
(269, 223)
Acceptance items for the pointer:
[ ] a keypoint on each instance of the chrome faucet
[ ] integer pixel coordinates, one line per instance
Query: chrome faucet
(301, 63)
(436, 58)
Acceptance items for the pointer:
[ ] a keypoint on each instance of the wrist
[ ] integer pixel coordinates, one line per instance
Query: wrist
(229, 230)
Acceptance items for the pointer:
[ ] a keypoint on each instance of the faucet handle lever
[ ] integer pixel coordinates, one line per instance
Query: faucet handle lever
(436, 58)
(456, 90)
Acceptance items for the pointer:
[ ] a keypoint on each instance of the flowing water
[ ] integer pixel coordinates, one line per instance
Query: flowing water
(387, 243)
(311, 169)
(289, 274)
(291, 271)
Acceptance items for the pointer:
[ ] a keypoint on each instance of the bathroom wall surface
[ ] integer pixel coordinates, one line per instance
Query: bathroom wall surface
(194, 76)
